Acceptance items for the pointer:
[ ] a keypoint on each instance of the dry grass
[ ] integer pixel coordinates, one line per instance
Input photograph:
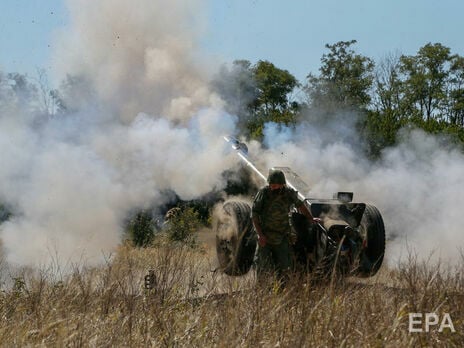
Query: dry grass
(108, 306)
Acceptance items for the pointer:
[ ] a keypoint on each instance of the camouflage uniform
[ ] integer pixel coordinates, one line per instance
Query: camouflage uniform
(272, 209)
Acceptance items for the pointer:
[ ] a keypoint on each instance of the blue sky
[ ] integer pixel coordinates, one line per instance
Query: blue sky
(26, 33)
(291, 34)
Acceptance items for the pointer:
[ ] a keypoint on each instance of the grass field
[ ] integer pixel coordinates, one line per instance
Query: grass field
(191, 305)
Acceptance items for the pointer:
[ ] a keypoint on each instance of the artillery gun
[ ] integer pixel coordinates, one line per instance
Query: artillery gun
(349, 240)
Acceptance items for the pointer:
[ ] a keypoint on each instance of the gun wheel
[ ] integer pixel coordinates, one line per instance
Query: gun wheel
(373, 229)
(235, 242)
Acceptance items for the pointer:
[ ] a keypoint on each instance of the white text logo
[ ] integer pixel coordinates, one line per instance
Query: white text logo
(430, 319)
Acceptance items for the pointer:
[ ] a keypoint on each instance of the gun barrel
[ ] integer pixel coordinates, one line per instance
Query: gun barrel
(242, 152)
(252, 166)
(292, 179)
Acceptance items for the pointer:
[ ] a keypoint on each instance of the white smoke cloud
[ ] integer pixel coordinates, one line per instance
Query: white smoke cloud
(137, 56)
(141, 119)
(417, 185)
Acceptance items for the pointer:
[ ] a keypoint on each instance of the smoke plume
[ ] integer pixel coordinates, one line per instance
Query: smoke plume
(140, 120)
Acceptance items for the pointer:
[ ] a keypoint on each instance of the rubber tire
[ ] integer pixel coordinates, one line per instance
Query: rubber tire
(235, 239)
(371, 257)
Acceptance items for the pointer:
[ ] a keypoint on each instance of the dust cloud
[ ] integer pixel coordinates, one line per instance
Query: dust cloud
(140, 120)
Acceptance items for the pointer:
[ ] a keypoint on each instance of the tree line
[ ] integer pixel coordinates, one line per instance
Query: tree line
(425, 90)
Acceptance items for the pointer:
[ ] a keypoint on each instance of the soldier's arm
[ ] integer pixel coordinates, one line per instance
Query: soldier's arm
(261, 237)
(255, 218)
(257, 226)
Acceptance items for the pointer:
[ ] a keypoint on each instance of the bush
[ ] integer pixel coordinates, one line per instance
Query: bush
(181, 227)
(141, 229)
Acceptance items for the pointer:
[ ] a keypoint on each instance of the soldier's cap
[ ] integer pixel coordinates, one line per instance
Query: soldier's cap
(276, 176)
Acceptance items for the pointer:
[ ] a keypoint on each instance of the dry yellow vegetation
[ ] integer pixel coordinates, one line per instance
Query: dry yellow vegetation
(190, 305)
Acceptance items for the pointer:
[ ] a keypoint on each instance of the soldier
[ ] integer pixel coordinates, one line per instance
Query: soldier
(270, 216)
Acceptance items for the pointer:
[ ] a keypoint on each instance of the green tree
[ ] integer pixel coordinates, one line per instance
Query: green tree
(426, 76)
(345, 79)
(257, 94)
(141, 229)
(456, 92)
(386, 115)
(273, 103)
(388, 88)
(237, 87)
(425, 90)
(274, 86)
